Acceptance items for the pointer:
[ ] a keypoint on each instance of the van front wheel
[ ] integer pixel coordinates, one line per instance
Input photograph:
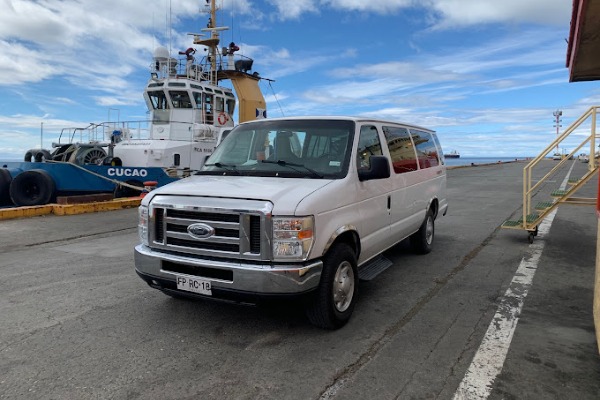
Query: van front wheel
(422, 240)
(333, 303)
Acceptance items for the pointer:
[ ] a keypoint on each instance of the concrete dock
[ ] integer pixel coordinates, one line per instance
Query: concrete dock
(485, 315)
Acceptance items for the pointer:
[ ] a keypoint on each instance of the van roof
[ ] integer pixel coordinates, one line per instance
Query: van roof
(341, 118)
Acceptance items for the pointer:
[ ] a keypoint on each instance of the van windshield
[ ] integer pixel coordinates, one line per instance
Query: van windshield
(305, 148)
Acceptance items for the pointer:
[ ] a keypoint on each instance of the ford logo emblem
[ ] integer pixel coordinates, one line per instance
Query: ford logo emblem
(200, 231)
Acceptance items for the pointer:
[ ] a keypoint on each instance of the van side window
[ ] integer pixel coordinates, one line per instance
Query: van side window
(439, 147)
(401, 149)
(427, 153)
(368, 145)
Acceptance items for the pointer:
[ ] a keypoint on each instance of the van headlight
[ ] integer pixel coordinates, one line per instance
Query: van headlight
(143, 224)
(292, 238)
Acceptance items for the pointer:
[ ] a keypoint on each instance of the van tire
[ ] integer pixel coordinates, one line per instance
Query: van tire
(34, 187)
(339, 276)
(422, 240)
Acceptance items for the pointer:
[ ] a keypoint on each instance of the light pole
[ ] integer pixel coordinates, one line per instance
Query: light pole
(118, 114)
(557, 114)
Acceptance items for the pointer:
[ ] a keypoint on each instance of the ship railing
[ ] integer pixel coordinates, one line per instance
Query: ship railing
(123, 129)
(102, 133)
(581, 134)
(203, 70)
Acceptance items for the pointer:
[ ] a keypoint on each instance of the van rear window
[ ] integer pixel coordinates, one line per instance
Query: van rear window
(402, 150)
(427, 153)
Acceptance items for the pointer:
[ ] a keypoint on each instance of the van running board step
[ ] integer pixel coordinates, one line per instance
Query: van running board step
(373, 268)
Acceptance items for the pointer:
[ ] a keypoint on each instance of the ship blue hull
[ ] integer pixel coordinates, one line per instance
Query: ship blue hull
(69, 179)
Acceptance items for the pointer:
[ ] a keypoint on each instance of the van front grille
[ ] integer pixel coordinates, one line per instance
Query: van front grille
(203, 245)
(236, 234)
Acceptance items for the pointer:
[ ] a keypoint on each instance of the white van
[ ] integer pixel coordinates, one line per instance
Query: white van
(294, 207)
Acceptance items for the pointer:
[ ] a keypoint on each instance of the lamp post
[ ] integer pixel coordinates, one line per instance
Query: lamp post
(557, 114)
(118, 114)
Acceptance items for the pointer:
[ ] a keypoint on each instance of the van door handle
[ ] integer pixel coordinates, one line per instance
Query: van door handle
(389, 202)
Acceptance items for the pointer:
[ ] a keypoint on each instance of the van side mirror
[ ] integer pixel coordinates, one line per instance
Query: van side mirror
(380, 169)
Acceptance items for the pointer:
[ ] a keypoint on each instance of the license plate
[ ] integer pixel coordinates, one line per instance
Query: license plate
(196, 285)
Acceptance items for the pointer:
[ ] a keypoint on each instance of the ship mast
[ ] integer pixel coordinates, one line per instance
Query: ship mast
(215, 37)
(213, 42)
(251, 101)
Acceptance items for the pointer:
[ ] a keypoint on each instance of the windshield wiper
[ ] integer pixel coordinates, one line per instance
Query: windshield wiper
(227, 167)
(292, 165)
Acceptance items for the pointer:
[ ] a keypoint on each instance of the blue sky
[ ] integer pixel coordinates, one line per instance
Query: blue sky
(485, 74)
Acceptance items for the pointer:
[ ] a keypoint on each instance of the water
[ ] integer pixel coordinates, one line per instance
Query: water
(450, 162)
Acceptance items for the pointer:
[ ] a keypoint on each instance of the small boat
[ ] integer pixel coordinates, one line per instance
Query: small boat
(190, 113)
(452, 154)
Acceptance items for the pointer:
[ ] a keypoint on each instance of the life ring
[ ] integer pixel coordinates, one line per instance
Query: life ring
(222, 118)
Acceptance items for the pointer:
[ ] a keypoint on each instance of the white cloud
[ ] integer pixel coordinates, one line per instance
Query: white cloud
(379, 6)
(287, 9)
(20, 64)
(443, 13)
(450, 13)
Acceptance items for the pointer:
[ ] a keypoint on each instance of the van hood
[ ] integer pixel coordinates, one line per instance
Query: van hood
(283, 190)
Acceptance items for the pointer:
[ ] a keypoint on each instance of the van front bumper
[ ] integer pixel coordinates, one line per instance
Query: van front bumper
(227, 277)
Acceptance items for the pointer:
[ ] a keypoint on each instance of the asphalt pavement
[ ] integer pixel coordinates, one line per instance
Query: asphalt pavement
(77, 322)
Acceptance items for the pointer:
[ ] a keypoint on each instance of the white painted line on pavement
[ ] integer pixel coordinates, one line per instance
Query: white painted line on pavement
(489, 359)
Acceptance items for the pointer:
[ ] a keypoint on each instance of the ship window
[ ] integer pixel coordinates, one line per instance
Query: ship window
(208, 107)
(427, 153)
(176, 84)
(368, 145)
(230, 106)
(180, 99)
(197, 99)
(156, 84)
(219, 104)
(402, 150)
(158, 100)
(176, 160)
(218, 91)
(195, 86)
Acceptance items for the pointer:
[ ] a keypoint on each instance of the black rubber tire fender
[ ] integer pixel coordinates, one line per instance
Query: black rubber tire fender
(323, 310)
(5, 180)
(422, 240)
(32, 188)
(30, 155)
(123, 191)
(42, 155)
(112, 161)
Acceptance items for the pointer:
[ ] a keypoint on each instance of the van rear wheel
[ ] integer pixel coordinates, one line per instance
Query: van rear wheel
(422, 240)
(333, 303)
